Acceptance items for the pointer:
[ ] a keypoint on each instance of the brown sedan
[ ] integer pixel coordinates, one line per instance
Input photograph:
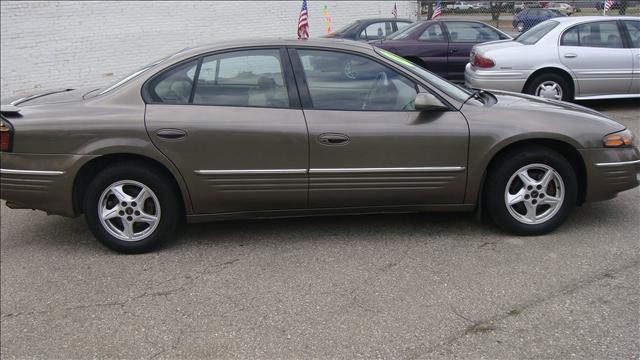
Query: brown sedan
(291, 128)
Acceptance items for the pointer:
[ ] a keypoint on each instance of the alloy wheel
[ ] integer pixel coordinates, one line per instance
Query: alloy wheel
(534, 194)
(129, 210)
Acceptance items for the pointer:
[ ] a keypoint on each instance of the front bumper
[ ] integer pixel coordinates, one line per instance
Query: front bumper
(610, 171)
(507, 80)
(39, 181)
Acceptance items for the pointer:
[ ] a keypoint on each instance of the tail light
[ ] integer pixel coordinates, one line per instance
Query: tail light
(6, 135)
(481, 61)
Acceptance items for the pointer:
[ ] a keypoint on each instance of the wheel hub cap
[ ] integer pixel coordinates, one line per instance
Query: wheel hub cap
(534, 194)
(549, 90)
(129, 210)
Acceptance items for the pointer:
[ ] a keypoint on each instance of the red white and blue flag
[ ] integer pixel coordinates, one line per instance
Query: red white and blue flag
(303, 22)
(394, 12)
(607, 5)
(437, 11)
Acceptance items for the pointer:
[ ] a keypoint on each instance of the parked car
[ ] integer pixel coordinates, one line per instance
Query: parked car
(462, 6)
(441, 46)
(528, 18)
(370, 29)
(587, 57)
(287, 128)
(562, 7)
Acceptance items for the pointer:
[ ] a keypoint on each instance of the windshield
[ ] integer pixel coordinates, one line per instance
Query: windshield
(536, 33)
(457, 92)
(401, 34)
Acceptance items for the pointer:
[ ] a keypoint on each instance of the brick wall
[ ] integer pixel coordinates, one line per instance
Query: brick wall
(53, 44)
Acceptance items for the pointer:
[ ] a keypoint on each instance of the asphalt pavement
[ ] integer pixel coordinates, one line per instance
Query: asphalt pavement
(410, 286)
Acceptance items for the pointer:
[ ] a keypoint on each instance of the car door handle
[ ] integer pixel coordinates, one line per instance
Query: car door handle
(453, 51)
(171, 134)
(333, 139)
(570, 56)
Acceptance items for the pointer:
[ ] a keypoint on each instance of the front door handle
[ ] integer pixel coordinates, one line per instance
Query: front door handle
(171, 134)
(333, 139)
(570, 56)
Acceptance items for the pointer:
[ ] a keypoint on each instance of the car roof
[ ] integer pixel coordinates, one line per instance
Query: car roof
(570, 20)
(241, 43)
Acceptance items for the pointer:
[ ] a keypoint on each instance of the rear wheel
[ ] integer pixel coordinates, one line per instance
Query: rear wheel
(550, 86)
(530, 192)
(130, 208)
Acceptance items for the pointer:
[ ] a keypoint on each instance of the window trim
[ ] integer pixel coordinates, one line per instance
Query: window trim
(287, 74)
(305, 95)
(621, 30)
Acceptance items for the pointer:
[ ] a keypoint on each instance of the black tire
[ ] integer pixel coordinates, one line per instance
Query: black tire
(567, 94)
(501, 171)
(165, 193)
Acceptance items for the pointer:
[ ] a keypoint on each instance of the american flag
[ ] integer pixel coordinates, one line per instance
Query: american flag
(394, 12)
(607, 5)
(303, 22)
(437, 11)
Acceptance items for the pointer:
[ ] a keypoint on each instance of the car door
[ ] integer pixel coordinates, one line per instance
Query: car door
(633, 31)
(232, 124)
(462, 36)
(368, 147)
(430, 46)
(595, 54)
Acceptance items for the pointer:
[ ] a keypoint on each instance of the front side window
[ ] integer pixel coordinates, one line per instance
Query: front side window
(603, 34)
(536, 33)
(432, 33)
(471, 32)
(342, 81)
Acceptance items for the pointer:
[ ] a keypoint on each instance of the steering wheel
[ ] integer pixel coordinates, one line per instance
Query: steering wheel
(382, 77)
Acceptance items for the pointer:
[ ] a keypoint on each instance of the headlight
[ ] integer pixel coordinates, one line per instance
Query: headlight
(622, 138)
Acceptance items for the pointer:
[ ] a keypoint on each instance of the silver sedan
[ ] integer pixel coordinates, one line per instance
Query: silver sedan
(581, 58)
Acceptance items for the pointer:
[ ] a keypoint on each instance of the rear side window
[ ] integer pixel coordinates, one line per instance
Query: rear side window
(174, 85)
(471, 32)
(376, 31)
(432, 33)
(536, 33)
(604, 34)
(242, 78)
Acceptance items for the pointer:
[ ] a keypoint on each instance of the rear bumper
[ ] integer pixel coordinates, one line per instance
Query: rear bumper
(507, 80)
(38, 181)
(610, 171)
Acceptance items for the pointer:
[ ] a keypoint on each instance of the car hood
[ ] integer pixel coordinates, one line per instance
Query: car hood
(47, 97)
(511, 100)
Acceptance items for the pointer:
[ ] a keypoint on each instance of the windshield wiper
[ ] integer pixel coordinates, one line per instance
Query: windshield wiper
(477, 94)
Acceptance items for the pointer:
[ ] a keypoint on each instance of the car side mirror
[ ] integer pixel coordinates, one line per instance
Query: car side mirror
(428, 102)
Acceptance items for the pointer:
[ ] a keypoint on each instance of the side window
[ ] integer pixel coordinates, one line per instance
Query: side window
(570, 37)
(401, 24)
(471, 32)
(603, 34)
(633, 28)
(374, 31)
(432, 33)
(341, 81)
(174, 85)
(242, 78)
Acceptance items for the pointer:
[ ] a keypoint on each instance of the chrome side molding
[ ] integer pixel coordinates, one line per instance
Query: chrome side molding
(332, 170)
(620, 163)
(31, 172)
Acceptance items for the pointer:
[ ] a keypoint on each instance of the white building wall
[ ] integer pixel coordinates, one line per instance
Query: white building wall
(53, 44)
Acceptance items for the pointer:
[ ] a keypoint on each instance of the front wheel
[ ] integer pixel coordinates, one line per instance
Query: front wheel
(531, 191)
(130, 208)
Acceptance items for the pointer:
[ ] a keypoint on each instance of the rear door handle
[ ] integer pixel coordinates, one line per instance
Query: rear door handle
(570, 56)
(333, 139)
(171, 134)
